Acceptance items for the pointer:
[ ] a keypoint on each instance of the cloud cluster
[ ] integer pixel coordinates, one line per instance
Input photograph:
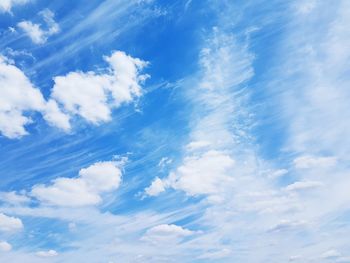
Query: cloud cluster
(35, 31)
(89, 95)
(93, 96)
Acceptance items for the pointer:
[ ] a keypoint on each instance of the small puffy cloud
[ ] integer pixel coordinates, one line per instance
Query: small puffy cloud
(156, 187)
(199, 174)
(307, 161)
(303, 185)
(5, 246)
(6, 5)
(93, 96)
(9, 223)
(165, 234)
(35, 31)
(46, 254)
(83, 190)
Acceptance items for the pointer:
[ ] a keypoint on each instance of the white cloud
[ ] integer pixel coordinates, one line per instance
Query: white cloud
(203, 174)
(166, 234)
(156, 187)
(17, 96)
(303, 185)
(10, 224)
(55, 117)
(307, 161)
(13, 198)
(48, 253)
(89, 95)
(93, 96)
(83, 190)
(35, 31)
(5, 246)
(6, 5)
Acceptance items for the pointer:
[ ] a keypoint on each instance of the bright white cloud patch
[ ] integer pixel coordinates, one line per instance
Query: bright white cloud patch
(90, 95)
(5, 246)
(6, 5)
(36, 32)
(9, 223)
(165, 234)
(93, 96)
(204, 174)
(86, 189)
(17, 95)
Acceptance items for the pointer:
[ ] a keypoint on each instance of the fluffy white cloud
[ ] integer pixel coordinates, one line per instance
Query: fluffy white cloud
(165, 234)
(90, 95)
(81, 191)
(307, 161)
(17, 96)
(35, 31)
(46, 254)
(6, 5)
(5, 246)
(9, 223)
(156, 187)
(93, 96)
(199, 174)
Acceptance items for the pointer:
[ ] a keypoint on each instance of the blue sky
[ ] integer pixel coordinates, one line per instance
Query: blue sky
(174, 131)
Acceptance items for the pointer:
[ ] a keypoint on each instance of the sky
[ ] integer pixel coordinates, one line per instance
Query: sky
(175, 131)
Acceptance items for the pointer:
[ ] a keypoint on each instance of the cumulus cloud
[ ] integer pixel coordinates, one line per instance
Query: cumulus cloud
(10, 224)
(35, 31)
(90, 95)
(46, 254)
(204, 174)
(84, 190)
(165, 234)
(93, 96)
(17, 96)
(5, 246)
(6, 5)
